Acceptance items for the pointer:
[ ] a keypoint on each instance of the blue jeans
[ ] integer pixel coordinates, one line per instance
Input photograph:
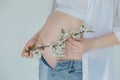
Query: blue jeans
(64, 70)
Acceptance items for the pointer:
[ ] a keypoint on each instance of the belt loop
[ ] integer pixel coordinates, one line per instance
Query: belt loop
(71, 63)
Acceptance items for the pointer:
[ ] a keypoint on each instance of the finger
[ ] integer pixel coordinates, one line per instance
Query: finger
(26, 47)
(23, 54)
(75, 51)
(75, 47)
(70, 39)
(27, 55)
(67, 49)
(67, 44)
(75, 43)
(81, 39)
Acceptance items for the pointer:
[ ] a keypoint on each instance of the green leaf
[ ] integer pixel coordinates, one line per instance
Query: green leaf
(25, 50)
(83, 26)
(33, 46)
(43, 48)
(62, 30)
(76, 34)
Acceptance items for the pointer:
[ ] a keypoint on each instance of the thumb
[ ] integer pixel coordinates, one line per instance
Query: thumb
(80, 39)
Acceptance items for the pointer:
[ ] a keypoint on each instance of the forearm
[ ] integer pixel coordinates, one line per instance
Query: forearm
(106, 41)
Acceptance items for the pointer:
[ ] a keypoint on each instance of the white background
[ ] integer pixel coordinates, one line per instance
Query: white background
(19, 21)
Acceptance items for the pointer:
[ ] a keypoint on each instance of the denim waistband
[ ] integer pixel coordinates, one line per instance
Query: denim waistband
(69, 64)
(65, 64)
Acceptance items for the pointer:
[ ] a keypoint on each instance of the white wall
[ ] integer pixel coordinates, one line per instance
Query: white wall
(19, 21)
(117, 62)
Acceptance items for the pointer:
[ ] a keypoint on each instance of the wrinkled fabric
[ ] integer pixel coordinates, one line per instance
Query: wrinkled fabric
(64, 70)
(103, 17)
(67, 70)
(44, 70)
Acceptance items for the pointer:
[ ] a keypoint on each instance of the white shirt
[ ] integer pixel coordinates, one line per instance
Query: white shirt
(103, 17)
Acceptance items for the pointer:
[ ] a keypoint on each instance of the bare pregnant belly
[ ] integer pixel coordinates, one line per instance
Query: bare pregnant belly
(51, 31)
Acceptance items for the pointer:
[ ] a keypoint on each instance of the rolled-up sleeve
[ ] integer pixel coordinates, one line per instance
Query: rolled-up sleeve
(116, 27)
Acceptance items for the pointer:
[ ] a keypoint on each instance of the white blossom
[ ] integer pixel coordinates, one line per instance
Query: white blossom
(58, 47)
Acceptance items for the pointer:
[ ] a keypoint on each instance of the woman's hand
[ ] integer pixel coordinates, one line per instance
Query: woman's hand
(33, 41)
(78, 47)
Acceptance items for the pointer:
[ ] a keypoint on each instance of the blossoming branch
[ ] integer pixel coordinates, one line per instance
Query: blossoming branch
(58, 47)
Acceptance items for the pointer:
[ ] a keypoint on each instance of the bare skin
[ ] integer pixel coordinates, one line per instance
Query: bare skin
(86, 45)
(74, 49)
(50, 32)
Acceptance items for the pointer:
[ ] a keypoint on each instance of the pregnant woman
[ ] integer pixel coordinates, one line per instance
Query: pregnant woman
(90, 58)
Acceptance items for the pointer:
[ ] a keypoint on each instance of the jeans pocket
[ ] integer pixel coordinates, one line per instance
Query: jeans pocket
(45, 62)
(60, 65)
